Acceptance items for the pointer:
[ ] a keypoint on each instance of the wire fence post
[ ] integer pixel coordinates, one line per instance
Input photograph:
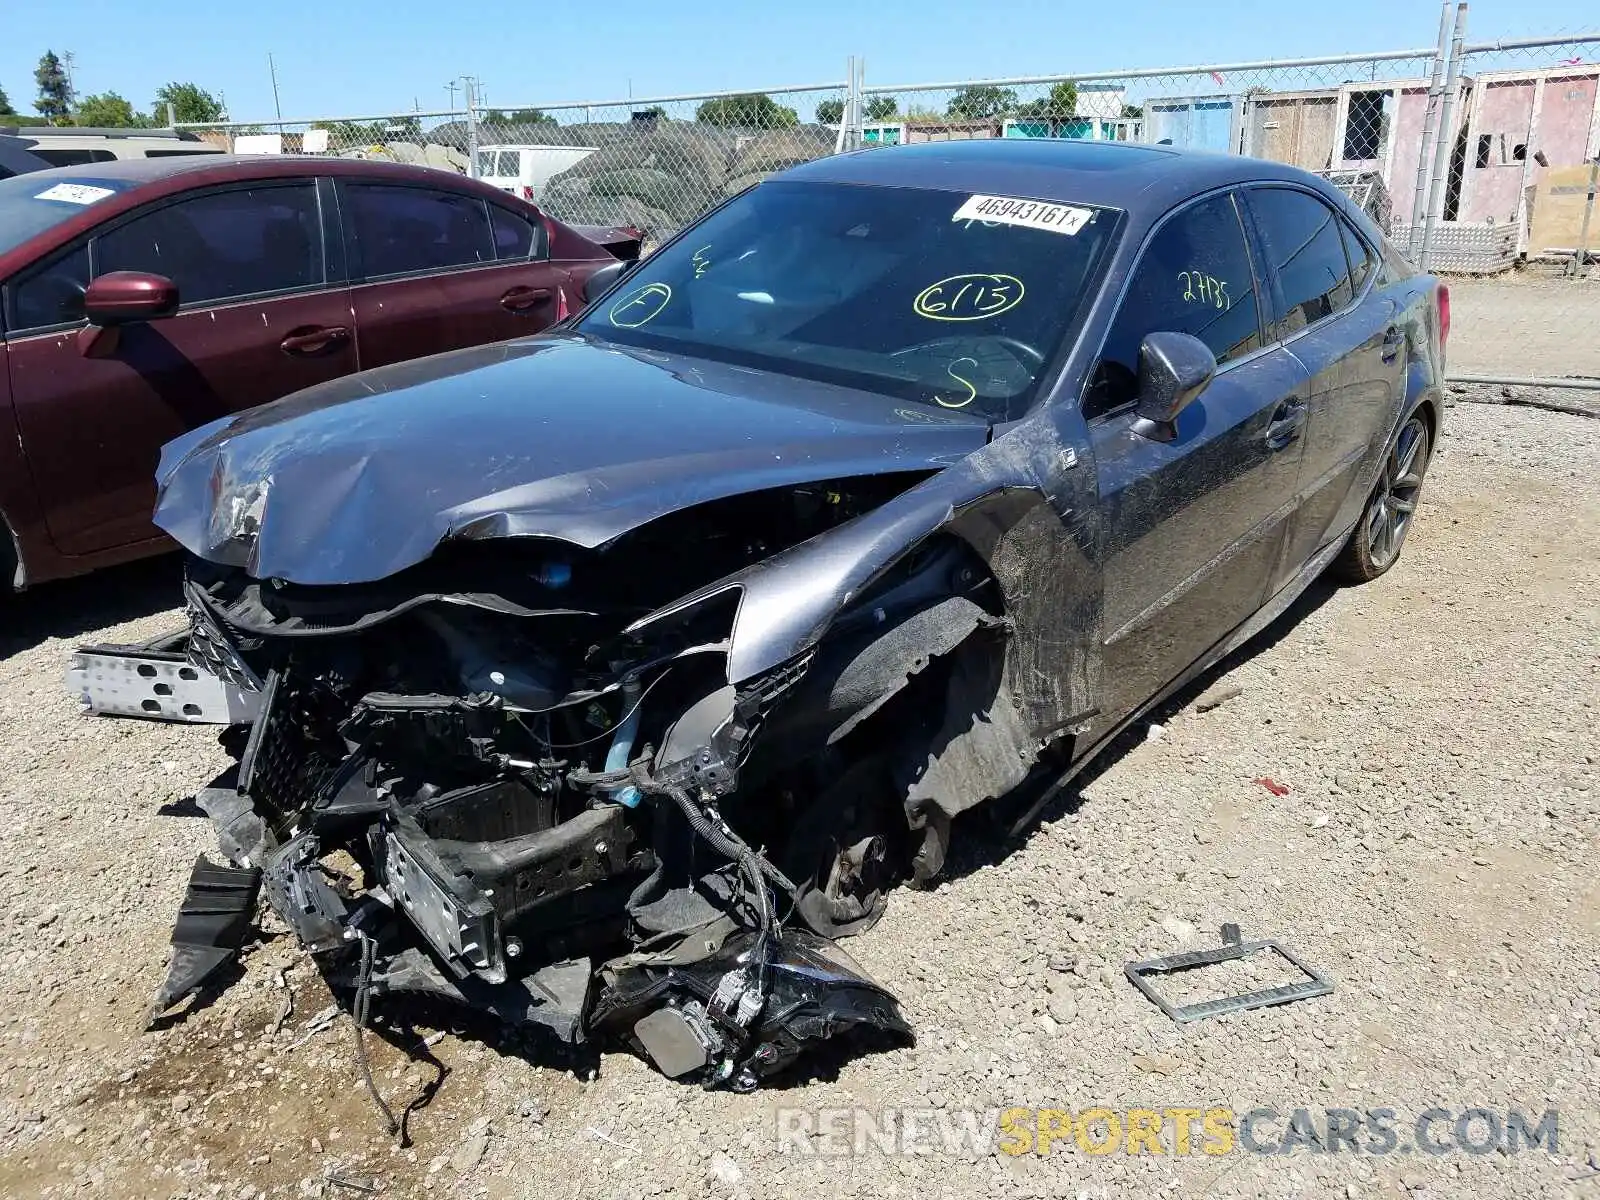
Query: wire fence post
(1430, 131)
(1446, 137)
(472, 125)
(858, 80)
(1580, 259)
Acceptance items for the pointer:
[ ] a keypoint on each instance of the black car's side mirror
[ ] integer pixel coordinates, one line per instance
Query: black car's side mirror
(604, 278)
(1174, 368)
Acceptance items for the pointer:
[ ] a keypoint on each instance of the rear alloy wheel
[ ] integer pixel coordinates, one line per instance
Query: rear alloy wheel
(1375, 544)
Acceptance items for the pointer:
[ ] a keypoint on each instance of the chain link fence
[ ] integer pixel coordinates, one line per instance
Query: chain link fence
(654, 163)
(1518, 164)
(1480, 160)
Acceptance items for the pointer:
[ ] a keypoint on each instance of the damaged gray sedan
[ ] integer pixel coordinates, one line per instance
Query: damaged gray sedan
(609, 676)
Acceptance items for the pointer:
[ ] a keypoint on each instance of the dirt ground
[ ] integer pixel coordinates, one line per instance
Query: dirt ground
(1530, 322)
(1435, 853)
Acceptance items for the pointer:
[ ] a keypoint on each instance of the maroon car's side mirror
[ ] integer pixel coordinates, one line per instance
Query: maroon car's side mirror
(124, 297)
(120, 298)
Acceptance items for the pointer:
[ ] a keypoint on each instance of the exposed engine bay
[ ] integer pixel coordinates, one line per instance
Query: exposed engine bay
(516, 777)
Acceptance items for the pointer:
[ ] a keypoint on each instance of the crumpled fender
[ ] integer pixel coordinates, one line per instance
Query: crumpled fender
(997, 500)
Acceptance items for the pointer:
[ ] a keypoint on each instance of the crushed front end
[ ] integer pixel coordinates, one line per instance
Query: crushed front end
(500, 778)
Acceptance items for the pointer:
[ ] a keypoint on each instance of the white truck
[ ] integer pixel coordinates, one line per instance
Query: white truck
(524, 170)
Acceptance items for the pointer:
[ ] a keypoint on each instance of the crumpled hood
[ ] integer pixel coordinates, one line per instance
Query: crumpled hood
(553, 436)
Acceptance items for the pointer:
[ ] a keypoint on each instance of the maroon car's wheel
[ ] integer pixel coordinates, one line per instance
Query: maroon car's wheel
(1375, 544)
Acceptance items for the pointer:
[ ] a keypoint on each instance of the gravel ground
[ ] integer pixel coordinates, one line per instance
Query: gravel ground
(1435, 853)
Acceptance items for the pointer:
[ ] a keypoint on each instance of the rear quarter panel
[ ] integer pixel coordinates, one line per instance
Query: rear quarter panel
(1417, 311)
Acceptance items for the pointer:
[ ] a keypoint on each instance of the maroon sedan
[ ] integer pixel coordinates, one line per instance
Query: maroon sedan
(146, 297)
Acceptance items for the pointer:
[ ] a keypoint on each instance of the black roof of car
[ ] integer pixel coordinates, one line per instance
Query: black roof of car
(1105, 173)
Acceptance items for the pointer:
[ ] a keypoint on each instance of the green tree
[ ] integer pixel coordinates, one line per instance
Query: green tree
(1132, 111)
(344, 135)
(55, 92)
(107, 111)
(752, 110)
(655, 111)
(189, 101)
(1060, 104)
(980, 102)
(517, 116)
(5, 105)
(877, 108)
(882, 108)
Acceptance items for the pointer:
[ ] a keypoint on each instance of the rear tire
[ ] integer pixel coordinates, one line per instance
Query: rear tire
(1380, 534)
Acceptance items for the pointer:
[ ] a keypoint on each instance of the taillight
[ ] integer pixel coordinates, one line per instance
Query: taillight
(1444, 315)
(527, 193)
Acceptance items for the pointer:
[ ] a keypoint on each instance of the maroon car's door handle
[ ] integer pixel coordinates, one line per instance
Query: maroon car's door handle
(523, 299)
(314, 339)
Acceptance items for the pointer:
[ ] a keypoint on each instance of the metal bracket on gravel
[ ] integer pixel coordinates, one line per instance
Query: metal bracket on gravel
(156, 680)
(1232, 948)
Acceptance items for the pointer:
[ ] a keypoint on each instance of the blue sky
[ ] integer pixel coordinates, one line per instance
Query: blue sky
(361, 57)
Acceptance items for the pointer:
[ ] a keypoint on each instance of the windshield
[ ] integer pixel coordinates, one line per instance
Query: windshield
(946, 298)
(31, 204)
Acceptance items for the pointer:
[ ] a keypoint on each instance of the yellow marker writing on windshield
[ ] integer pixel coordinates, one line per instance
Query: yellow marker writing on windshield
(968, 297)
(640, 307)
(972, 392)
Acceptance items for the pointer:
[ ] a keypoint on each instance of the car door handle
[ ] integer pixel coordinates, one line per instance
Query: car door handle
(311, 340)
(522, 299)
(1393, 339)
(1288, 419)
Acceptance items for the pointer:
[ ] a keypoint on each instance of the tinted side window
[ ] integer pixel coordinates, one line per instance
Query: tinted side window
(1392, 266)
(1362, 259)
(514, 236)
(52, 293)
(71, 158)
(1303, 245)
(1194, 277)
(224, 245)
(400, 230)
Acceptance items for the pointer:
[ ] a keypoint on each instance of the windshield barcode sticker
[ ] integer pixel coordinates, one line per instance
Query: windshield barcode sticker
(74, 193)
(1030, 214)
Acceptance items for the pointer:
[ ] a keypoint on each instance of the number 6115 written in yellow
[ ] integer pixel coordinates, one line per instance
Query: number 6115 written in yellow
(968, 297)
